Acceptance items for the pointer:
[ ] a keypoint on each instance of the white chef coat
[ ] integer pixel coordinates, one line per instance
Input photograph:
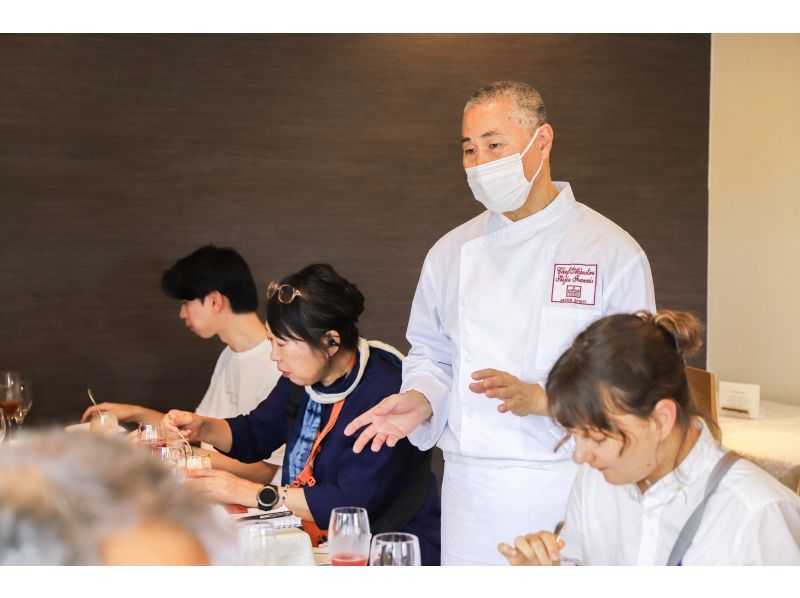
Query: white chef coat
(241, 380)
(751, 518)
(511, 296)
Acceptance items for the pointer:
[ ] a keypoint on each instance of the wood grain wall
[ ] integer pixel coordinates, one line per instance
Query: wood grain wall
(121, 153)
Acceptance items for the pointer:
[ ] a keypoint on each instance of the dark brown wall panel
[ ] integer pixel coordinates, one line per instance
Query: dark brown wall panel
(119, 154)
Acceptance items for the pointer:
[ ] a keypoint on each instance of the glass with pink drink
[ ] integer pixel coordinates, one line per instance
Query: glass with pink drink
(152, 436)
(349, 536)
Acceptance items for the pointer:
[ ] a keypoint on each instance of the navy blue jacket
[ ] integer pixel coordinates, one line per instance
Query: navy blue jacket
(344, 478)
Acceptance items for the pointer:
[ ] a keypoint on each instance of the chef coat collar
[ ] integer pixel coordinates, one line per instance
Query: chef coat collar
(564, 202)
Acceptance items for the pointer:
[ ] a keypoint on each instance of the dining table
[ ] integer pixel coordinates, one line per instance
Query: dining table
(771, 439)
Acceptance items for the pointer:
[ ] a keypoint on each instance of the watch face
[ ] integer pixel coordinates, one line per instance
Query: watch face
(268, 496)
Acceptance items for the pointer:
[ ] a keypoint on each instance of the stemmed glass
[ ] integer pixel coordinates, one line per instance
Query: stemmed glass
(395, 549)
(152, 436)
(349, 536)
(10, 394)
(25, 402)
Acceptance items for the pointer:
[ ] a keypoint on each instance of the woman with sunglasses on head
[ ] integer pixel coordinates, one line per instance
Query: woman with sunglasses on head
(330, 376)
(654, 486)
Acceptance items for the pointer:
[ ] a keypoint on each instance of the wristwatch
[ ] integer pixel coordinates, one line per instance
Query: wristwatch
(267, 497)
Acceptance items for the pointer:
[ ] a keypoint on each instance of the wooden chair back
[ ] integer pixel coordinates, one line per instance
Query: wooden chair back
(703, 389)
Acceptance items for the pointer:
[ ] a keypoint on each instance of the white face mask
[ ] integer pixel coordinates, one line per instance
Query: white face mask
(501, 185)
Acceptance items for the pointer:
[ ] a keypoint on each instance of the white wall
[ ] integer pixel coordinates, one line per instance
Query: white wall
(754, 213)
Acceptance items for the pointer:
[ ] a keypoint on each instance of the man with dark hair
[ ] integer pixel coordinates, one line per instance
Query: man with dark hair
(213, 269)
(499, 299)
(218, 298)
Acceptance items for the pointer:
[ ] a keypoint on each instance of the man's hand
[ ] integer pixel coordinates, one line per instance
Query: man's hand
(395, 417)
(223, 487)
(517, 396)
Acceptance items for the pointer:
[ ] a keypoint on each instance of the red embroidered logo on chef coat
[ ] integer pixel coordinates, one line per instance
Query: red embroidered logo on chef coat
(574, 283)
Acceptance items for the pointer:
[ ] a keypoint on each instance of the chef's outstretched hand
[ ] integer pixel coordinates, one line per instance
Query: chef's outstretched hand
(393, 418)
(516, 396)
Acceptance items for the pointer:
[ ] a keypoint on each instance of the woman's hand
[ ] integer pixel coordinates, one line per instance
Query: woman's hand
(393, 418)
(125, 413)
(190, 425)
(541, 548)
(517, 396)
(223, 487)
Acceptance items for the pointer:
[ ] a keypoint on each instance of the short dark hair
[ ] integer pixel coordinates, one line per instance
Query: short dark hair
(327, 302)
(625, 364)
(211, 269)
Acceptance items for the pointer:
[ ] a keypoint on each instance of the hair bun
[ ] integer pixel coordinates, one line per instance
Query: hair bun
(684, 328)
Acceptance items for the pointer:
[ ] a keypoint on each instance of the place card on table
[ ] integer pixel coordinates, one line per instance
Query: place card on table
(738, 398)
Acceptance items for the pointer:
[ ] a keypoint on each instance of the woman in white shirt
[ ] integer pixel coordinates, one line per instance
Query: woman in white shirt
(646, 456)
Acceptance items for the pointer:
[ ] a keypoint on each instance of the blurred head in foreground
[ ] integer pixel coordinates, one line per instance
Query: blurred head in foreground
(85, 499)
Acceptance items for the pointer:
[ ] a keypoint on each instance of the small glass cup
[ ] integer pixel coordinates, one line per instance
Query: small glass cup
(395, 549)
(103, 422)
(174, 457)
(349, 536)
(198, 458)
(257, 543)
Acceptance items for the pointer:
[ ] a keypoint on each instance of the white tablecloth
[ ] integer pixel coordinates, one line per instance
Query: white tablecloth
(771, 441)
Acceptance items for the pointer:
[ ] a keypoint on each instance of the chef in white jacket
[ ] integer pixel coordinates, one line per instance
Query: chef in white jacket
(498, 300)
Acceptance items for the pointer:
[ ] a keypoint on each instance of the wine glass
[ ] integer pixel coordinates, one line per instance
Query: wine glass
(395, 549)
(349, 536)
(152, 436)
(25, 401)
(257, 543)
(9, 394)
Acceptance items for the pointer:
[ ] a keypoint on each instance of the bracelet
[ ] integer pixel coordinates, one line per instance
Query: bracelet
(283, 495)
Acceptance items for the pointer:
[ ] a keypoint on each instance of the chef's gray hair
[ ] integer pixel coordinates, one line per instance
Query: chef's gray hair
(529, 106)
(62, 494)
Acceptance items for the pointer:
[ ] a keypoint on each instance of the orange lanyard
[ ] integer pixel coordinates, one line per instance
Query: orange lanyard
(306, 477)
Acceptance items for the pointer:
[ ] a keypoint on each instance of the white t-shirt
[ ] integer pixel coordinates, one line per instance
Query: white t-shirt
(750, 519)
(239, 383)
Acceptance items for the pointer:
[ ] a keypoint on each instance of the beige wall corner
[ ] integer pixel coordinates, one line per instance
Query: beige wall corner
(754, 213)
